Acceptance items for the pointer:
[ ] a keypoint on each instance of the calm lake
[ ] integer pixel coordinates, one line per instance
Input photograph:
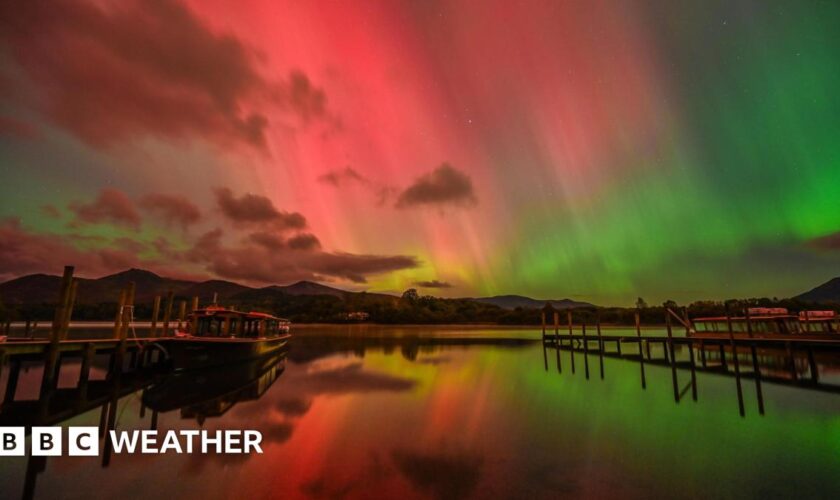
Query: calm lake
(422, 412)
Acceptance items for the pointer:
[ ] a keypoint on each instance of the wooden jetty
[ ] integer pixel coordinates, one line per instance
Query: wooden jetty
(790, 359)
(129, 360)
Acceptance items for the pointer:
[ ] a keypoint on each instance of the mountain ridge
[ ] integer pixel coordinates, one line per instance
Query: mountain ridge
(43, 288)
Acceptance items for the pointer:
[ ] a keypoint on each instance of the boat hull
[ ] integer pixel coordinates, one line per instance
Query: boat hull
(189, 353)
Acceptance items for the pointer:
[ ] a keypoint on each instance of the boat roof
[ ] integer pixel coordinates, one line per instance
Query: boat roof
(744, 318)
(223, 311)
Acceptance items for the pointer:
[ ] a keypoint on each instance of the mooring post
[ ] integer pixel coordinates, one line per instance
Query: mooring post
(737, 373)
(84, 371)
(12, 381)
(542, 321)
(68, 313)
(194, 317)
(571, 340)
(182, 314)
(641, 356)
(757, 377)
(51, 362)
(812, 366)
(585, 348)
(671, 349)
(557, 339)
(121, 327)
(600, 343)
(791, 361)
(545, 357)
(119, 316)
(155, 315)
(693, 374)
(167, 315)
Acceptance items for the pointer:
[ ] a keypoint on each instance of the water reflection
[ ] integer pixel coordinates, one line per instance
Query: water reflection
(775, 366)
(463, 418)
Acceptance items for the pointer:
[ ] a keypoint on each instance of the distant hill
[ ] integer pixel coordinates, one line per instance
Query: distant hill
(43, 289)
(827, 292)
(514, 301)
(205, 290)
(310, 288)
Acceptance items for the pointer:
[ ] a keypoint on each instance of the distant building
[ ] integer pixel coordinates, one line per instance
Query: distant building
(357, 316)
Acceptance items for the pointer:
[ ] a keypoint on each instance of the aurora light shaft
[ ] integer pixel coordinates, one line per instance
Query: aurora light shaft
(594, 150)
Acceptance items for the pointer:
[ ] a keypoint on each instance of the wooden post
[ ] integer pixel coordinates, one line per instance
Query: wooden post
(749, 323)
(687, 322)
(571, 340)
(194, 319)
(693, 374)
(557, 339)
(812, 366)
(600, 343)
(68, 313)
(155, 315)
(127, 311)
(641, 356)
(84, 372)
(542, 321)
(12, 381)
(545, 357)
(757, 376)
(167, 315)
(119, 316)
(737, 373)
(585, 348)
(671, 353)
(182, 314)
(50, 376)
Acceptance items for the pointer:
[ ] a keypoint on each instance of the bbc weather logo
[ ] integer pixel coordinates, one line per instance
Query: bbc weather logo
(84, 441)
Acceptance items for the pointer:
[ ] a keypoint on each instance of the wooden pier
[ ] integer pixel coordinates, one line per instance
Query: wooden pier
(129, 360)
(791, 360)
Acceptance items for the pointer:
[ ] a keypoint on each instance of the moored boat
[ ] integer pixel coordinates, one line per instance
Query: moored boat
(217, 336)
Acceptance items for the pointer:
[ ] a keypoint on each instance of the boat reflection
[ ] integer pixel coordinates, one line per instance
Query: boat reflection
(198, 394)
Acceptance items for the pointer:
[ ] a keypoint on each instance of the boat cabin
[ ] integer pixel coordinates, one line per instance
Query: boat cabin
(819, 321)
(760, 320)
(222, 322)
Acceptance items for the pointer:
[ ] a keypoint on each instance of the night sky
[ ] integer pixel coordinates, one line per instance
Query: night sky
(594, 150)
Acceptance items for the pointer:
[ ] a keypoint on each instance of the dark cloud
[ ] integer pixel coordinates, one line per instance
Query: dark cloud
(265, 257)
(304, 241)
(255, 209)
(339, 177)
(271, 241)
(108, 72)
(25, 252)
(828, 242)
(111, 206)
(305, 100)
(439, 474)
(274, 241)
(348, 176)
(443, 186)
(433, 284)
(173, 209)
